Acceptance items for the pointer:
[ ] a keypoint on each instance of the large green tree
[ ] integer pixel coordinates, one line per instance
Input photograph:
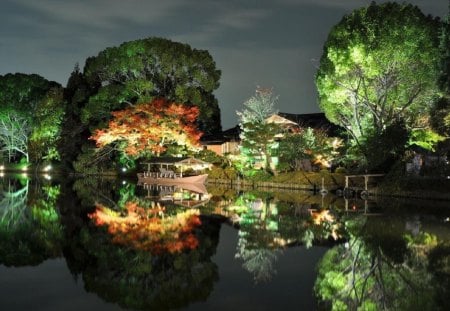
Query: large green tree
(74, 133)
(440, 113)
(142, 70)
(378, 68)
(31, 111)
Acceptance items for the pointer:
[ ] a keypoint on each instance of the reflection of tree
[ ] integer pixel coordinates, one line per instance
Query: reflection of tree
(137, 279)
(148, 229)
(30, 231)
(258, 260)
(13, 205)
(267, 225)
(361, 276)
(142, 267)
(99, 190)
(257, 246)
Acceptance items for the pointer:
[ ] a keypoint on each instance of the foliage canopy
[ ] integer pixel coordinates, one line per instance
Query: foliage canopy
(148, 128)
(379, 67)
(31, 112)
(142, 70)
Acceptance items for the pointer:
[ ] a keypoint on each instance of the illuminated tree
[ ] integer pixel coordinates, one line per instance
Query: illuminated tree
(14, 132)
(142, 70)
(31, 110)
(440, 112)
(379, 67)
(257, 135)
(46, 131)
(147, 129)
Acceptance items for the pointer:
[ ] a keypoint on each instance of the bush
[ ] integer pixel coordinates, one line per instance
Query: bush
(258, 175)
(340, 170)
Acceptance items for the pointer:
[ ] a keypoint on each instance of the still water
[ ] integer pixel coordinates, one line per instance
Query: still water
(113, 245)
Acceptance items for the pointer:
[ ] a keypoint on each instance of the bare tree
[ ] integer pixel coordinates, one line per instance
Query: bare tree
(14, 132)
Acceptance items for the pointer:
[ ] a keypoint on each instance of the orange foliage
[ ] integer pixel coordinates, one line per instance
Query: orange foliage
(148, 229)
(150, 127)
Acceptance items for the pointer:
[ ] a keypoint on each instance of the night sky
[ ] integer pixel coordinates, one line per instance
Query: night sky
(267, 43)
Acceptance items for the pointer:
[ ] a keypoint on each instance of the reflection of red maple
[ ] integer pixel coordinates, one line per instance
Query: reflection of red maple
(150, 127)
(148, 229)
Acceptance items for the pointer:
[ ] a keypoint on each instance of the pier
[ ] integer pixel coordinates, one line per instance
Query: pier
(363, 192)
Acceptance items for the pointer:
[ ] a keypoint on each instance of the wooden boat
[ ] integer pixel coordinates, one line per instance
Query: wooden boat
(158, 171)
(162, 178)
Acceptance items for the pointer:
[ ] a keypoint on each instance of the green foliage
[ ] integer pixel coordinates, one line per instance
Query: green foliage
(340, 170)
(142, 70)
(223, 173)
(93, 162)
(379, 65)
(258, 135)
(257, 175)
(211, 157)
(74, 133)
(307, 144)
(47, 123)
(137, 72)
(425, 138)
(31, 110)
(383, 149)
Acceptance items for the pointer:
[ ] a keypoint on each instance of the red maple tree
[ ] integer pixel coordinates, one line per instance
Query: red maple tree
(150, 127)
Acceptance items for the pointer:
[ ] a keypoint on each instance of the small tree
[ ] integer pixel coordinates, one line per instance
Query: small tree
(14, 132)
(257, 135)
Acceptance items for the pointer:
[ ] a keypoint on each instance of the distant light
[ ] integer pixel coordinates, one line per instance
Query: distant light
(24, 175)
(47, 176)
(2, 167)
(124, 182)
(124, 169)
(24, 168)
(2, 174)
(47, 168)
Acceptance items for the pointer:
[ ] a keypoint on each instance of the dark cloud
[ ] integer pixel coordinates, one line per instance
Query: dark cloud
(272, 43)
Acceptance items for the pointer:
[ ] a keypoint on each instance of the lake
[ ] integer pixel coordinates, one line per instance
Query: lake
(98, 244)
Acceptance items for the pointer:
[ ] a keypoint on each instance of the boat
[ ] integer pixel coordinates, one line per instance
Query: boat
(189, 195)
(170, 171)
(163, 178)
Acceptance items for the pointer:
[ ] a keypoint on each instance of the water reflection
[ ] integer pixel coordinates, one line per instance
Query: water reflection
(151, 247)
(385, 265)
(30, 229)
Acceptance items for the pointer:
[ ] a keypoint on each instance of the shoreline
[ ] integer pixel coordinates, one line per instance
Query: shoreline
(373, 192)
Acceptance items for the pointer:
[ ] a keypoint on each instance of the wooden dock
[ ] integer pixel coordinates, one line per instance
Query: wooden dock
(363, 191)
